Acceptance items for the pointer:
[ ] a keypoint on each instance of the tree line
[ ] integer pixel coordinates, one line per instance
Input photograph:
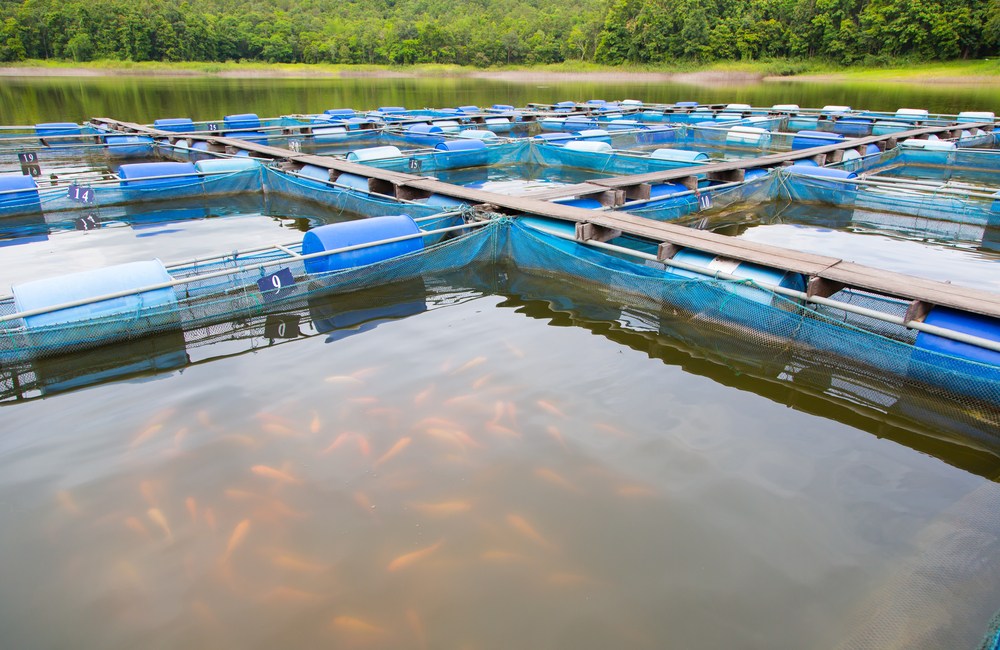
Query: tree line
(497, 32)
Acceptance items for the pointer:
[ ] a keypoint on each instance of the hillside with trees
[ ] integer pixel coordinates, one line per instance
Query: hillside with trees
(498, 32)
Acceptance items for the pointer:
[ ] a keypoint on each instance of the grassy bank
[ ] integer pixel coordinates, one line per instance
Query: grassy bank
(979, 71)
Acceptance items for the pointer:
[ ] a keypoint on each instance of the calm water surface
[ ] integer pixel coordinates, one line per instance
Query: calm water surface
(481, 460)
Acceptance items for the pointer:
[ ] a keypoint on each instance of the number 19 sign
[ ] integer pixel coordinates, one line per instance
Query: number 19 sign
(277, 285)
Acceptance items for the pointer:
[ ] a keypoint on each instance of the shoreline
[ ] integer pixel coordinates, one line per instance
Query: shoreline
(939, 75)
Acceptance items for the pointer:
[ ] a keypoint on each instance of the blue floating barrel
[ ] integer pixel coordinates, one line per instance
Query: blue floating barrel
(854, 126)
(228, 165)
(579, 124)
(174, 124)
(241, 121)
(565, 106)
(362, 231)
(147, 175)
(686, 104)
(461, 145)
(743, 270)
(466, 152)
(588, 146)
(679, 155)
(51, 292)
(554, 137)
(594, 134)
(552, 123)
(748, 136)
(424, 129)
(964, 323)
(626, 125)
(52, 129)
(872, 150)
(129, 146)
(374, 153)
(316, 173)
(885, 127)
(356, 123)
(340, 112)
(329, 134)
(588, 204)
(976, 116)
(353, 181)
(912, 114)
(469, 109)
(442, 201)
(823, 176)
(809, 139)
(501, 107)
(391, 109)
(18, 191)
(661, 190)
(477, 134)
(755, 172)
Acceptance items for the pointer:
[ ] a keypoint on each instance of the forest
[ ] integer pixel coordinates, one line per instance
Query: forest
(499, 32)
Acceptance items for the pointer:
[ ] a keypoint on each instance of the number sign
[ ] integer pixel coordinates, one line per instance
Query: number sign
(277, 285)
(81, 194)
(281, 326)
(87, 222)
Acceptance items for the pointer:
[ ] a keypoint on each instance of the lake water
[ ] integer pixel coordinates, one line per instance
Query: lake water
(485, 459)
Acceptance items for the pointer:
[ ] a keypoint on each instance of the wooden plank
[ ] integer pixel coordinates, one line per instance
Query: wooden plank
(565, 192)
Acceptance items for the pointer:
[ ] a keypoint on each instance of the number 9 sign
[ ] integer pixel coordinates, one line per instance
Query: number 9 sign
(277, 285)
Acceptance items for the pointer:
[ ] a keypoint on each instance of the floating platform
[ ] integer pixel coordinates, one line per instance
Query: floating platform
(593, 181)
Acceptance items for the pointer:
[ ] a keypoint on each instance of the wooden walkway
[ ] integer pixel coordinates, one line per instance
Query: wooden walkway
(825, 275)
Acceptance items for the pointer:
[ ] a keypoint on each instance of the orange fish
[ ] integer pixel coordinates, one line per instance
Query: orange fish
(365, 373)
(363, 501)
(276, 474)
(469, 365)
(157, 517)
(294, 563)
(556, 434)
(278, 429)
(551, 408)
(346, 380)
(554, 478)
(407, 559)
(502, 430)
(513, 350)
(192, 507)
(315, 425)
(148, 491)
(363, 446)
(209, 516)
(179, 437)
(635, 491)
(400, 445)
(290, 594)
(354, 625)
(67, 502)
(339, 440)
(422, 396)
(417, 628)
(519, 524)
(146, 433)
(498, 410)
(512, 413)
(443, 508)
(136, 526)
(236, 538)
(479, 383)
(496, 555)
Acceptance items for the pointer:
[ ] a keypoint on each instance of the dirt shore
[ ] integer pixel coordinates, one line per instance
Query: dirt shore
(702, 78)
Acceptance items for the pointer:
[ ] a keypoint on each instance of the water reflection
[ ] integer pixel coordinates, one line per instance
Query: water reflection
(143, 99)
